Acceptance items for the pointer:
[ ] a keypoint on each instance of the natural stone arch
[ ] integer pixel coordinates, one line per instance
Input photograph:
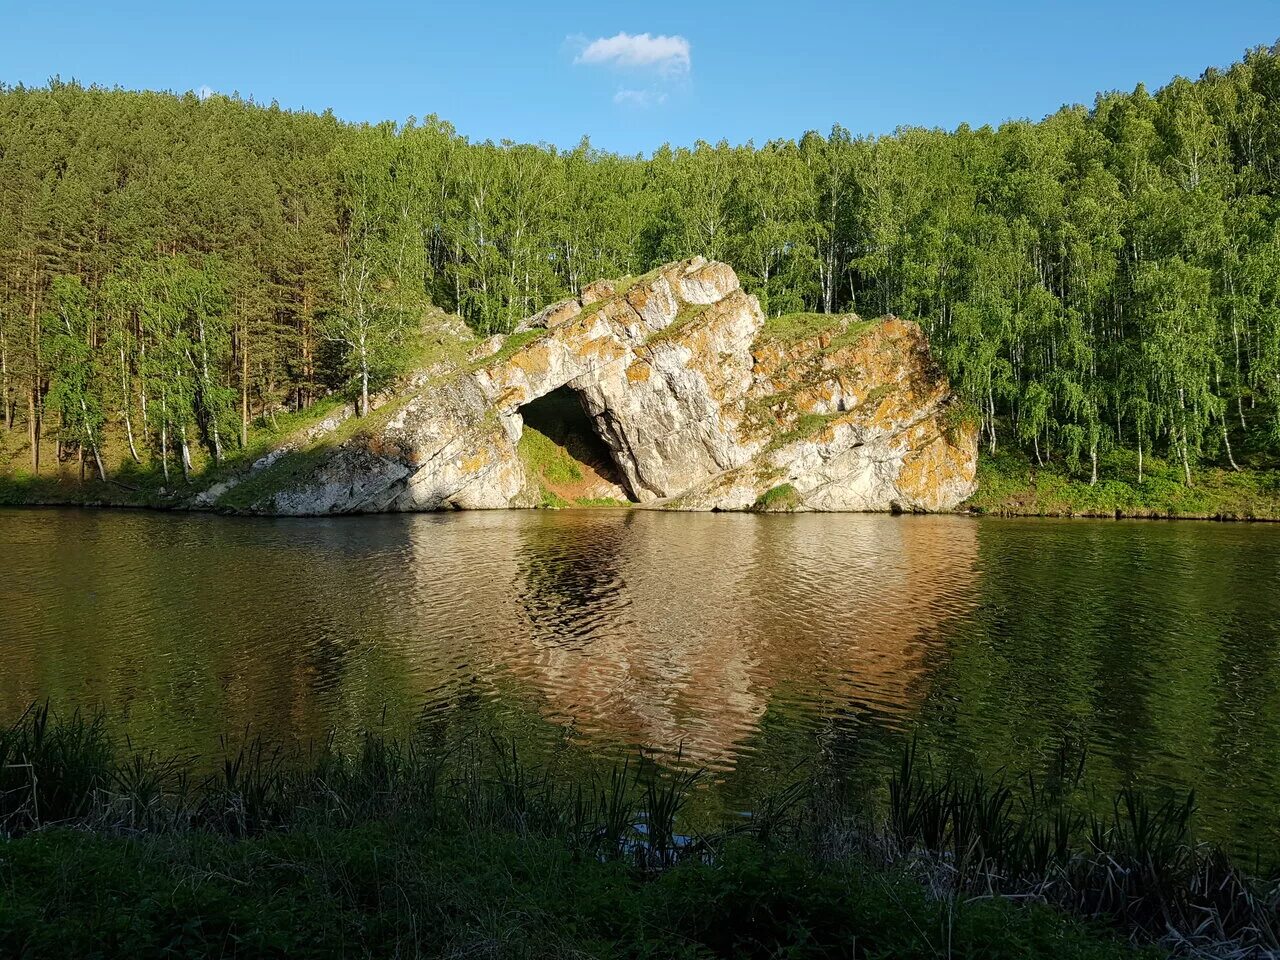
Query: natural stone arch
(561, 417)
(701, 405)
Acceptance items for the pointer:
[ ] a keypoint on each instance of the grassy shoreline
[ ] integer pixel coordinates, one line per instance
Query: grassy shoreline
(1011, 484)
(419, 847)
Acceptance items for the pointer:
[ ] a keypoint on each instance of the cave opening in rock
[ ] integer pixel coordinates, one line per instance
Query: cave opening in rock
(560, 447)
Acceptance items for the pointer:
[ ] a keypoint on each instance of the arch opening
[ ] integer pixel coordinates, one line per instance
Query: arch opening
(562, 450)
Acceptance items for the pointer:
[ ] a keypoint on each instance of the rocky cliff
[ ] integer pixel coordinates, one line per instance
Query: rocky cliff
(699, 401)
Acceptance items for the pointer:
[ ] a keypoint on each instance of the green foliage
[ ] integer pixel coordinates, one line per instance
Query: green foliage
(381, 259)
(75, 383)
(783, 497)
(1103, 279)
(1010, 483)
(412, 846)
(799, 326)
(547, 458)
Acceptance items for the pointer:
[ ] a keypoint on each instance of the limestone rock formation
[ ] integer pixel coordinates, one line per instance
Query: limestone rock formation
(701, 403)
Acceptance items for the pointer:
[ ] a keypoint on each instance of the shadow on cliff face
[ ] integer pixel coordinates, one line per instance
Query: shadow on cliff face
(561, 445)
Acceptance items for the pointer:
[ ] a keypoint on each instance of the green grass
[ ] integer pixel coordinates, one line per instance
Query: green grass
(624, 286)
(291, 470)
(1011, 483)
(513, 343)
(437, 344)
(398, 889)
(793, 327)
(687, 316)
(418, 847)
(781, 498)
(806, 425)
(132, 484)
(790, 327)
(854, 332)
(547, 463)
(600, 502)
(545, 458)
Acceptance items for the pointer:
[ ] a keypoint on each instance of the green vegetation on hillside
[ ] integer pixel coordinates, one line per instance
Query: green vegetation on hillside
(175, 270)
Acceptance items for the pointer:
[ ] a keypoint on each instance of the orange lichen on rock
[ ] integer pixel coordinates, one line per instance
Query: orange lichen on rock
(699, 401)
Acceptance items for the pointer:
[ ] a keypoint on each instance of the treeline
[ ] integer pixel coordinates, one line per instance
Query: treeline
(1107, 277)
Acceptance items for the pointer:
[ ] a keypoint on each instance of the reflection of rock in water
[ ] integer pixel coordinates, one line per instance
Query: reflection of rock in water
(647, 634)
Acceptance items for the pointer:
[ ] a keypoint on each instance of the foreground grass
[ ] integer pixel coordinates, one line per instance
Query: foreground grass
(1012, 484)
(417, 848)
(398, 888)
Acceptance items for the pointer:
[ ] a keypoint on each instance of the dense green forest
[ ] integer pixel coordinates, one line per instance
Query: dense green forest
(174, 268)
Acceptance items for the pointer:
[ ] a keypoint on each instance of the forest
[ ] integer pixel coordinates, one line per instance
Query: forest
(175, 269)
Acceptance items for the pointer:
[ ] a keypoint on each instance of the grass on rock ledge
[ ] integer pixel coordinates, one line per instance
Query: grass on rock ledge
(418, 848)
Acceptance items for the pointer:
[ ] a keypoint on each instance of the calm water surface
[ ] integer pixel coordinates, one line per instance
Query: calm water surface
(746, 644)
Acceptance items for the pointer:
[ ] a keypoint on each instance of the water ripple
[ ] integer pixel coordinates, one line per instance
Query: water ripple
(742, 643)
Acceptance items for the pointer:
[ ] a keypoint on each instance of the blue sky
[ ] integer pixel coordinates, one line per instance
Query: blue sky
(633, 76)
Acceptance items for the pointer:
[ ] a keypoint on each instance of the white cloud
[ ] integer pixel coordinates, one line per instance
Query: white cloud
(670, 55)
(639, 98)
(205, 92)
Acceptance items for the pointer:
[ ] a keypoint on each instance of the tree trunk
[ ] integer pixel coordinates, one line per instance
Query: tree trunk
(34, 417)
(33, 423)
(142, 387)
(1227, 442)
(991, 419)
(128, 421)
(1186, 460)
(244, 391)
(364, 377)
(164, 448)
(212, 421)
(1139, 456)
(5, 399)
(93, 444)
(186, 454)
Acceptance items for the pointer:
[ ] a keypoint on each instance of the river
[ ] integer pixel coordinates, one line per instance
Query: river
(755, 646)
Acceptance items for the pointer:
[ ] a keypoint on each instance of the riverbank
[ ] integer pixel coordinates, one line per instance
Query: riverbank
(1011, 484)
(419, 848)
(395, 888)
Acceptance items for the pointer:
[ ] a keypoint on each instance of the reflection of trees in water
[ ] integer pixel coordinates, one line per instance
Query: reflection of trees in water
(756, 640)
(204, 626)
(1151, 644)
